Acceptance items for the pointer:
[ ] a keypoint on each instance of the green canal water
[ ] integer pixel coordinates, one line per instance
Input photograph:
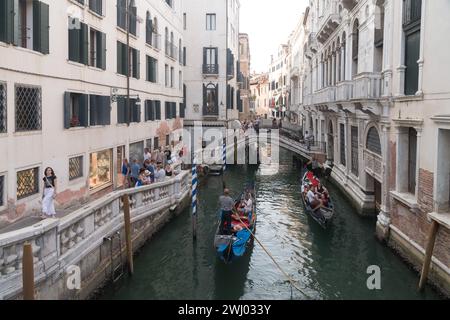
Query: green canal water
(325, 264)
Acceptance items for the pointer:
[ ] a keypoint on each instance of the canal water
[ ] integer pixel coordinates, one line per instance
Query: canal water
(325, 264)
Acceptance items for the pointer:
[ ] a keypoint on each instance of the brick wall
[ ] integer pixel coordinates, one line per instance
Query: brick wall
(425, 196)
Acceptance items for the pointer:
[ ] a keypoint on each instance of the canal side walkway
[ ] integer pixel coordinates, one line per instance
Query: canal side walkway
(87, 239)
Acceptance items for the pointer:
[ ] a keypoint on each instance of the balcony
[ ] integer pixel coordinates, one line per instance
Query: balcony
(344, 91)
(367, 86)
(210, 69)
(373, 164)
(155, 41)
(330, 20)
(349, 4)
(171, 50)
(325, 95)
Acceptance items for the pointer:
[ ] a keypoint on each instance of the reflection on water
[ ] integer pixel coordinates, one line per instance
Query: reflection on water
(326, 264)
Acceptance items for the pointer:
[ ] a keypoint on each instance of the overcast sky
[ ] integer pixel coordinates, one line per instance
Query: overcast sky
(268, 24)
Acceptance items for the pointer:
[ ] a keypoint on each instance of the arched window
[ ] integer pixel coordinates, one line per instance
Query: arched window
(355, 48)
(373, 141)
(148, 28)
(166, 37)
(344, 56)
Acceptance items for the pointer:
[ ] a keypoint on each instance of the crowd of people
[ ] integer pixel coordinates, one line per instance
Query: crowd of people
(156, 167)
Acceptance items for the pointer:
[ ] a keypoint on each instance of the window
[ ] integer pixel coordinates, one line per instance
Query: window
(137, 151)
(355, 155)
(184, 21)
(152, 68)
(75, 168)
(100, 169)
(122, 16)
(210, 21)
(128, 115)
(75, 110)
(172, 77)
(96, 6)
(210, 100)
(355, 48)
(99, 110)
(412, 160)
(170, 110)
(373, 141)
(2, 191)
(28, 108)
(97, 44)
(3, 108)
(25, 23)
(149, 29)
(152, 110)
(182, 110)
(180, 80)
(122, 67)
(210, 61)
(412, 14)
(27, 183)
(156, 142)
(166, 67)
(342, 142)
(78, 41)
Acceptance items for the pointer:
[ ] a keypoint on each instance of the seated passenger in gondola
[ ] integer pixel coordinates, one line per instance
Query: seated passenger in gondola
(314, 201)
(326, 199)
(321, 189)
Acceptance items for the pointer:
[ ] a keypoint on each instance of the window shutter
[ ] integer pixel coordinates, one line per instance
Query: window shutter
(158, 110)
(106, 110)
(184, 56)
(138, 64)
(120, 110)
(204, 99)
(119, 58)
(66, 110)
(174, 106)
(216, 55)
(101, 50)
(133, 20)
(93, 110)
(204, 56)
(14, 22)
(84, 107)
(74, 42)
(40, 27)
(84, 44)
(216, 107)
(6, 21)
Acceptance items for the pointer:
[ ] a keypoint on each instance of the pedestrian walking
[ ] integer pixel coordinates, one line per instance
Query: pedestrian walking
(49, 194)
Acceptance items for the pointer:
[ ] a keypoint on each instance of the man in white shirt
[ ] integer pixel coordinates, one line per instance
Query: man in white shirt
(160, 173)
(147, 154)
(314, 202)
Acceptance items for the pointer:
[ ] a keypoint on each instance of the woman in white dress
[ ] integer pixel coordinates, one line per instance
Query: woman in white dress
(49, 194)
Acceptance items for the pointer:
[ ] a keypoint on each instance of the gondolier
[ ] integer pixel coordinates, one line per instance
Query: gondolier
(226, 205)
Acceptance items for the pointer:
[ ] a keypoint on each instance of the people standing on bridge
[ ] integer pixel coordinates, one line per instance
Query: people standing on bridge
(135, 168)
(226, 205)
(49, 194)
(126, 171)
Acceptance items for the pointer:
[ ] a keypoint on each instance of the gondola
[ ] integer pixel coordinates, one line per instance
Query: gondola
(231, 247)
(322, 216)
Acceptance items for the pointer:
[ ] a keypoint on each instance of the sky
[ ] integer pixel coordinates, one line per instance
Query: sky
(268, 24)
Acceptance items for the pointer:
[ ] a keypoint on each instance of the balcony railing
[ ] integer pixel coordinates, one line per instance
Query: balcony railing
(325, 95)
(210, 69)
(171, 50)
(344, 91)
(373, 164)
(156, 41)
(367, 86)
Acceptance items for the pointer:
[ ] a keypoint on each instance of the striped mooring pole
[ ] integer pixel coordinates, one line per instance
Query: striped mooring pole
(224, 156)
(194, 198)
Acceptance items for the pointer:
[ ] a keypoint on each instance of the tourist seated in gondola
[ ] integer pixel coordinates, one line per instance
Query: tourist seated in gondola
(321, 189)
(314, 199)
(326, 199)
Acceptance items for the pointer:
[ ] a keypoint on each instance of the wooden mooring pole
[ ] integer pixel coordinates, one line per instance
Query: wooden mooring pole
(129, 244)
(428, 254)
(28, 272)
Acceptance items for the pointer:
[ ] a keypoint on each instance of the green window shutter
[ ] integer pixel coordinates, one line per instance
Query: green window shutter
(15, 22)
(74, 42)
(158, 110)
(40, 27)
(101, 50)
(84, 41)
(119, 58)
(138, 112)
(84, 110)
(106, 110)
(6, 21)
(93, 110)
(66, 110)
(125, 66)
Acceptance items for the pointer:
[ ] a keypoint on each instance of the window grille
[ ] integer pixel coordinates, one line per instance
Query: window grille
(28, 108)
(75, 168)
(27, 183)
